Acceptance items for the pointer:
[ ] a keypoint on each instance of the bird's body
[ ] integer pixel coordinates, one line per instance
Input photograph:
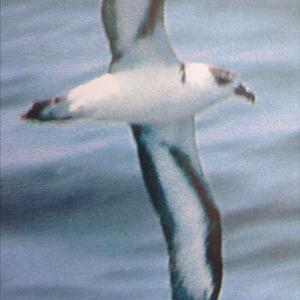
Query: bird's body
(143, 95)
(148, 87)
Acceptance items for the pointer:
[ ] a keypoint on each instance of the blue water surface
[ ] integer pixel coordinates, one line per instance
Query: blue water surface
(76, 219)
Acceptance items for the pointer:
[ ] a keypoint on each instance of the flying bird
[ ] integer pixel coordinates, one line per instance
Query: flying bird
(158, 95)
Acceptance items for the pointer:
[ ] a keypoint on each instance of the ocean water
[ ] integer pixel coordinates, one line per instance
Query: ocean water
(76, 219)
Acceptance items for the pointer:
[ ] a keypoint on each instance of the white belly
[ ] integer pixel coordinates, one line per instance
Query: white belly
(147, 95)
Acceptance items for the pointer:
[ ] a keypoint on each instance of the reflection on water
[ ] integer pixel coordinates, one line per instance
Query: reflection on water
(76, 220)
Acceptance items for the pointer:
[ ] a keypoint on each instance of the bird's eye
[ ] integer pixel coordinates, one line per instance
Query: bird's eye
(56, 100)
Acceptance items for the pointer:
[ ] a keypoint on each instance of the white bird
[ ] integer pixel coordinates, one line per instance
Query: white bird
(148, 87)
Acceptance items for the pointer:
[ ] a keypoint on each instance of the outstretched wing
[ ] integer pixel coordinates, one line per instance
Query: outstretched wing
(136, 33)
(181, 197)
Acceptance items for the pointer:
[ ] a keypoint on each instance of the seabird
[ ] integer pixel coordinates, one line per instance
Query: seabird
(147, 86)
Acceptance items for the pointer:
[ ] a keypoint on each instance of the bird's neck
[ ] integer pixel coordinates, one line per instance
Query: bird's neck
(189, 219)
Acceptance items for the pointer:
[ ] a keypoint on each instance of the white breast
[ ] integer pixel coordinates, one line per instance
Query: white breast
(148, 94)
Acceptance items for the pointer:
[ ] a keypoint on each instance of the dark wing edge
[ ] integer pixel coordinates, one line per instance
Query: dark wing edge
(127, 22)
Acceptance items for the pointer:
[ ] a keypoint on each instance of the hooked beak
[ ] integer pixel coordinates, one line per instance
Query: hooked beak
(241, 90)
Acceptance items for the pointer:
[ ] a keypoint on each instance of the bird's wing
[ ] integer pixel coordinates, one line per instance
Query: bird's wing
(178, 190)
(136, 33)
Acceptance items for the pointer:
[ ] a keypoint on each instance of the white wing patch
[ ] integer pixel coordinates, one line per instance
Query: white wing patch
(136, 33)
(185, 207)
